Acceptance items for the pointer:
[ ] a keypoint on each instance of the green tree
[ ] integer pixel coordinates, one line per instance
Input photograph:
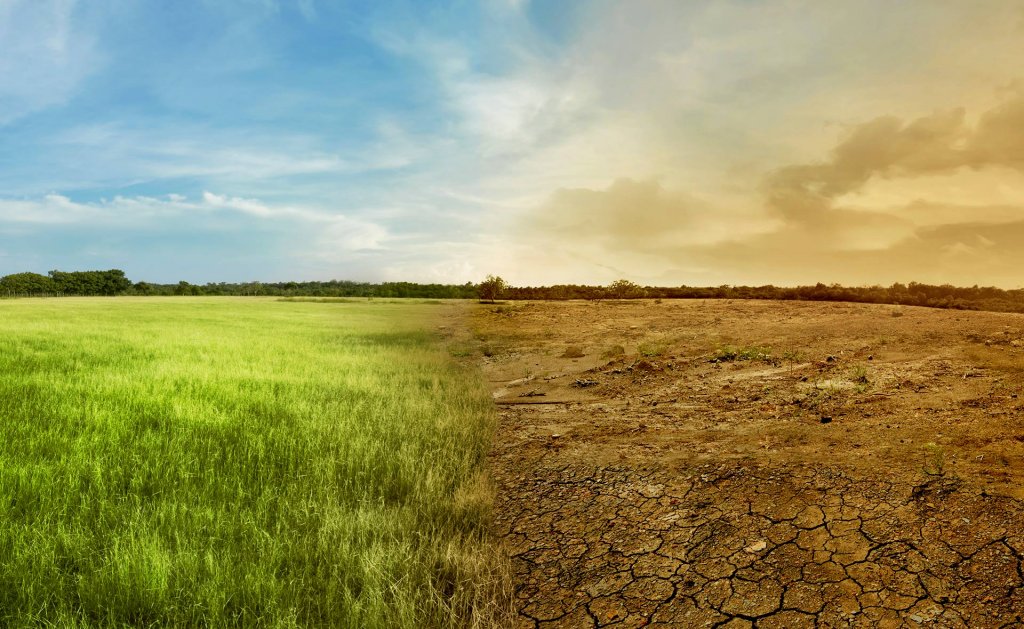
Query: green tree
(27, 284)
(624, 289)
(491, 288)
(112, 282)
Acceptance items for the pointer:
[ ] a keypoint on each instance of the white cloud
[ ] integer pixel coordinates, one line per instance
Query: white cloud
(343, 235)
(247, 206)
(122, 153)
(333, 231)
(44, 56)
(509, 5)
(500, 108)
(508, 103)
(307, 8)
(50, 209)
(330, 232)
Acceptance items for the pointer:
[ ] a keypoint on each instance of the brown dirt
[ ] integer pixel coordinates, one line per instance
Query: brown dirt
(854, 465)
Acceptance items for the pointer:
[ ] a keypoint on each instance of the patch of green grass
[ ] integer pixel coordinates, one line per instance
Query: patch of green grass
(793, 356)
(651, 349)
(326, 300)
(859, 377)
(461, 349)
(731, 354)
(364, 300)
(230, 462)
(822, 398)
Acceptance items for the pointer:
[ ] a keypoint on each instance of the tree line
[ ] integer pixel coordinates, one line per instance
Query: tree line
(58, 283)
(910, 294)
(114, 282)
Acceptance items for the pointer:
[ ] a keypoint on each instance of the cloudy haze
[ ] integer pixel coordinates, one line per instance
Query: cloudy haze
(663, 142)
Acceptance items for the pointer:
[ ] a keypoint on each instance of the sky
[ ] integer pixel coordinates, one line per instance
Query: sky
(546, 141)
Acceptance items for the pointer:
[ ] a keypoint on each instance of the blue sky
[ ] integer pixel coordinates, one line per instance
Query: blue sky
(215, 140)
(547, 141)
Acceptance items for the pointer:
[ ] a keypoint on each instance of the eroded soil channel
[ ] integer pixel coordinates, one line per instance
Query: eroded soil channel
(768, 464)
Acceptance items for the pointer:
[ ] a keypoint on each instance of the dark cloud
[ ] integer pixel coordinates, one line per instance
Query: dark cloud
(887, 147)
(628, 215)
(999, 136)
(884, 147)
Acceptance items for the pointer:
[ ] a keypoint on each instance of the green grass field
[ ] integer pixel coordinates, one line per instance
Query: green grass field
(240, 462)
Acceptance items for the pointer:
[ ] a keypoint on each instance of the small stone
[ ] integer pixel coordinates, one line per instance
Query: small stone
(756, 547)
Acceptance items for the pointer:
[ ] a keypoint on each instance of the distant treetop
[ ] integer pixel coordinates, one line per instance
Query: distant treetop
(114, 282)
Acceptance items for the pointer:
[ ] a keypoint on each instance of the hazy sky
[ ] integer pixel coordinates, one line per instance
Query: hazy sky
(552, 141)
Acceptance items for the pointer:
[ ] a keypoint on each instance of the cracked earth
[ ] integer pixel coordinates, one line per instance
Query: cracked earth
(757, 464)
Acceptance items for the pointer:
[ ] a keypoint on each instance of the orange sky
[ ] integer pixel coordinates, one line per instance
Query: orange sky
(786, 142)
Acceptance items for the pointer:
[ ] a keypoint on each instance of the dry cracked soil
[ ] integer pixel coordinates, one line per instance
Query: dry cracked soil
(755, 463)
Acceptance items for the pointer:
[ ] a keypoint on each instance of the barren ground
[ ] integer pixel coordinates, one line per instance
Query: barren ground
(768, 464)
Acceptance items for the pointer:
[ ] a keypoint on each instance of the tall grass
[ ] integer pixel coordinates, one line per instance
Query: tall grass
(240, 462)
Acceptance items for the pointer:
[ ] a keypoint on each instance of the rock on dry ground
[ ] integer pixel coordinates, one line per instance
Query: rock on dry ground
(757, 464)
